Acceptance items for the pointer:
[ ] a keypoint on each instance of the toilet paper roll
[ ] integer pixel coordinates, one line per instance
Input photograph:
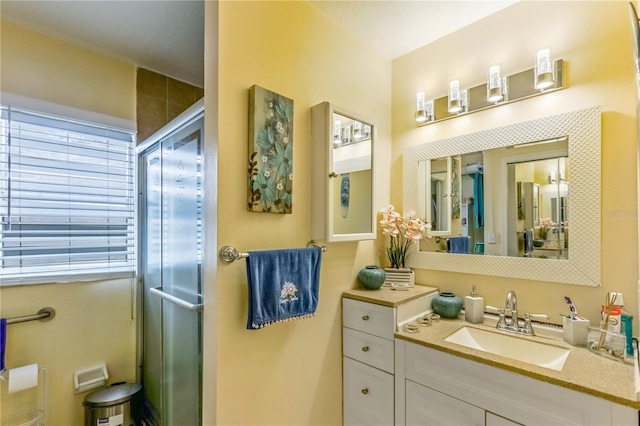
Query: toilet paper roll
(21, 378)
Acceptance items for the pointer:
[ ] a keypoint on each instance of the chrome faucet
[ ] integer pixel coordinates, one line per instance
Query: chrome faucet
(512, 305)
(513, 326)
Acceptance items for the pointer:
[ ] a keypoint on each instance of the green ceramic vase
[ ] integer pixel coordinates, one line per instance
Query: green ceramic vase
(372, 277)
(447, 305)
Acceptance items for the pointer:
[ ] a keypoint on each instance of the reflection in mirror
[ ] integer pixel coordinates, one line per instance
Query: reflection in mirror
(539, 221)
(435, 181)
(351, 178)
(496, 215)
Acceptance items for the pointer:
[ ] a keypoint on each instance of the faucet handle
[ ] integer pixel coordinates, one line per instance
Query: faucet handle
(493, 309)
(501, 321)
(538, 317)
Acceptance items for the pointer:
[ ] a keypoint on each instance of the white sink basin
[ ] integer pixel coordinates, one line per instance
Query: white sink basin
(513, 347)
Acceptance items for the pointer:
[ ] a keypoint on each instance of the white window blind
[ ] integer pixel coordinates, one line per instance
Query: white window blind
(66, 199)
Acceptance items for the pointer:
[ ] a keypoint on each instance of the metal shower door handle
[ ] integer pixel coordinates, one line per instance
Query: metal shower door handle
(176, 300)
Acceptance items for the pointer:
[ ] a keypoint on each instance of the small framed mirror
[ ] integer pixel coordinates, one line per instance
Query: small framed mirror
(343, 202)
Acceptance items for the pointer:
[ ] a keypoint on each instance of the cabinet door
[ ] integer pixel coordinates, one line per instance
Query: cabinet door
(368, 394)
(425, 406)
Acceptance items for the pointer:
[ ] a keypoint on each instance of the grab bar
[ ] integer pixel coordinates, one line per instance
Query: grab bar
(176, 300)
(44, 314)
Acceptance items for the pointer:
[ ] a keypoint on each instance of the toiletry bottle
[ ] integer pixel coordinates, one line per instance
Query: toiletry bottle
(474, 307)
(626, 322)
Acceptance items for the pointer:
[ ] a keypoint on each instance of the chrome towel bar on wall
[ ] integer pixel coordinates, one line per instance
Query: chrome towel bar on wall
(228, 254)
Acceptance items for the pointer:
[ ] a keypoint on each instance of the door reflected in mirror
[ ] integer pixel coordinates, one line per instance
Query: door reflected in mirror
(541, 228)
(435, 181)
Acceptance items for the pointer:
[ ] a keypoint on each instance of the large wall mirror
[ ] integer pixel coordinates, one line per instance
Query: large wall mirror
(510, 192)
(343, 208)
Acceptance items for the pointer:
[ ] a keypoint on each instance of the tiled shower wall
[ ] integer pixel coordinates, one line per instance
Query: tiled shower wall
(160, 99)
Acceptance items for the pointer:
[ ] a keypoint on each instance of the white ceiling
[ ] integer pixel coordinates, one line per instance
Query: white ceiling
(167, 36)
(396, 27)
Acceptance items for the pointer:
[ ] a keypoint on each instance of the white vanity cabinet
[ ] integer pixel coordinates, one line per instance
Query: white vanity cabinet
(368, 363)
(369, 321)
(440, 388)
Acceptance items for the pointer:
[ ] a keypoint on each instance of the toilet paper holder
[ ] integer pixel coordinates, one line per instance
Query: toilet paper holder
(90, 378)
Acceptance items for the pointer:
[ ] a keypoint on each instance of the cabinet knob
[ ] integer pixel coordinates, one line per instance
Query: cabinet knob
(365, 391)
(333, 175)
(365, 349)
(365, 317)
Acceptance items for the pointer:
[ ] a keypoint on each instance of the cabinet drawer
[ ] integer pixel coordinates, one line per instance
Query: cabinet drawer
(369, 318)
(368, 394)
(367, 348)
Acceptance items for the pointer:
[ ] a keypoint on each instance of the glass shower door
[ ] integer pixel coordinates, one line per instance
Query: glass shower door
(172, 276)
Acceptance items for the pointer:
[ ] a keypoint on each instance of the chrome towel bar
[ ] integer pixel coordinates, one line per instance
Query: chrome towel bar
(228, 254)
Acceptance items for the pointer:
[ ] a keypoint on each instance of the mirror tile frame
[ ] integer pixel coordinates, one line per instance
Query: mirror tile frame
(583, 128)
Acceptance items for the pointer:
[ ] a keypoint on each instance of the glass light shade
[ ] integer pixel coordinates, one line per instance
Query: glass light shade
(544, 75)
(337, 137)
(429, 110)
(464, 100)
(454, 96)
(366, 131)
(494, 84)
(346, 135)
(357, 130)
(420, 115)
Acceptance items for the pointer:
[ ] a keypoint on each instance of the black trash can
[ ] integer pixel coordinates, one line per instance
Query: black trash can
(113, 406)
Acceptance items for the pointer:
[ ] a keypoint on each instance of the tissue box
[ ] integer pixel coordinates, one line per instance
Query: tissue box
(575, 331)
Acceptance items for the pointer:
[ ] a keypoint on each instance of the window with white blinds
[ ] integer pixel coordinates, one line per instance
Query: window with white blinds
(66, 199)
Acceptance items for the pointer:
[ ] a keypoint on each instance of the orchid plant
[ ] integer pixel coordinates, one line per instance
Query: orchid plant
(544, 226)
(402, 232)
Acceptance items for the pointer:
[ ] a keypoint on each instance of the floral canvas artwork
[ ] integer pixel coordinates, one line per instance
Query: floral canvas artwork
(270, 151)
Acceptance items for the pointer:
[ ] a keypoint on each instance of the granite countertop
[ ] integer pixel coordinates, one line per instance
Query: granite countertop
(386, 296)
(583, 370)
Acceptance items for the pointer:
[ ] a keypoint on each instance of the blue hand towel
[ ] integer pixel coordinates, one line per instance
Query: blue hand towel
(478, 199)
(458, 244)
(283, 285)
(3, 341)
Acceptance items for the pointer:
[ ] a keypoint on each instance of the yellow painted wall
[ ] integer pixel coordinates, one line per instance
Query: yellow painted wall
(94, 320)
(594, 39)
(48, 69)
(289, 373)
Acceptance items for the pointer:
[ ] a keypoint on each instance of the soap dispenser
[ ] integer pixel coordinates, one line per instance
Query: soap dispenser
(474, 307)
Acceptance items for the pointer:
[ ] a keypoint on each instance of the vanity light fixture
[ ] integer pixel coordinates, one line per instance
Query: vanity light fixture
(496, 91)
(544, 76)
(494, 84)
(421, 113)
(455, 99)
